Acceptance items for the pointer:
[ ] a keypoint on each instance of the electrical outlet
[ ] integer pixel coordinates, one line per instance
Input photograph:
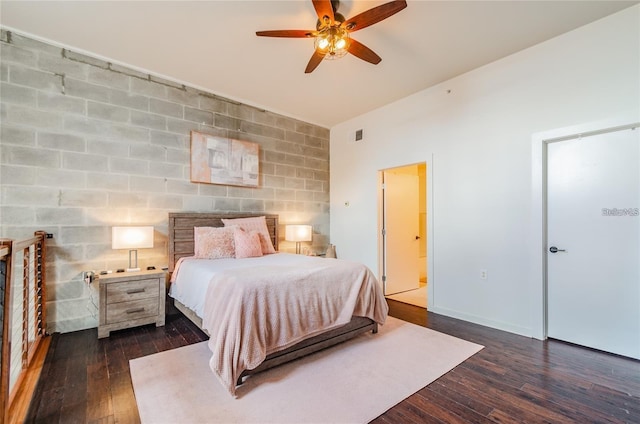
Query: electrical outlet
(484, 274)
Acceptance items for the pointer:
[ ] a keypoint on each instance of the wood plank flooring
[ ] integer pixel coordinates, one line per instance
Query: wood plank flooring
(513, 379)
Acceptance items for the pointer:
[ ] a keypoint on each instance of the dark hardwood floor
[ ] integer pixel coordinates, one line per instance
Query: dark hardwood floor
(514, 379)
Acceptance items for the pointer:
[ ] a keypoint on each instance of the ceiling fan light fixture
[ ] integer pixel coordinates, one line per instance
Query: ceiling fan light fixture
(322, 43)
(333, 42)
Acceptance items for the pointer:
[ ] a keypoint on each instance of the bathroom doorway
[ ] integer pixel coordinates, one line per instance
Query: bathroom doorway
(403, 233)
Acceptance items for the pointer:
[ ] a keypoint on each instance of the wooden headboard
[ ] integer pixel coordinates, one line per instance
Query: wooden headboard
(181, 226)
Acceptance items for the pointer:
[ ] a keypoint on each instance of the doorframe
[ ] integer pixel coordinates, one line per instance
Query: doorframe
(538, 229)
(430, 227)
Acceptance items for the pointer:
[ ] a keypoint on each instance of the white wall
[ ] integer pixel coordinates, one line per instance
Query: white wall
(475, 132)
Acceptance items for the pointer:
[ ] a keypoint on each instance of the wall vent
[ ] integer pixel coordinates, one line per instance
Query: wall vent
(359, 135)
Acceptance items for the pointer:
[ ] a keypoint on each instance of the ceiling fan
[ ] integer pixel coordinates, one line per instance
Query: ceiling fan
(331, 36)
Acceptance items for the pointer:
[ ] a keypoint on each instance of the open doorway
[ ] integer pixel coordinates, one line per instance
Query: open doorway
(403, 233)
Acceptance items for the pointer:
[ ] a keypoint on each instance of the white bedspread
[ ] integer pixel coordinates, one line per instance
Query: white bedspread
(191, 278)
(274, 302)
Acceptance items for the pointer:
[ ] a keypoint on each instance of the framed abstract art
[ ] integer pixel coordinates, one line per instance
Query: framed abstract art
(219, 160)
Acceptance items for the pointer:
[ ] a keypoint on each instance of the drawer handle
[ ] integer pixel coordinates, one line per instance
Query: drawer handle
(135, 311)
(135, 291)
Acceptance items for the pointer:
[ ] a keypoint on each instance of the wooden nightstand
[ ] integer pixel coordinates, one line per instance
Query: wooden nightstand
(130, 299)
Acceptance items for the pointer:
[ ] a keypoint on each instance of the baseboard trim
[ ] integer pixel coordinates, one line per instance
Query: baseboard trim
(498, 325)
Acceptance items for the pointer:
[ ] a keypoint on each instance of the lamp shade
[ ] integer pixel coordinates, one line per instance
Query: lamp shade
(131, 237)
(298, 232)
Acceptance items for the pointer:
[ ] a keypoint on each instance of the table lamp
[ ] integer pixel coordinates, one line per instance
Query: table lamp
(298, 233)
(132, 238)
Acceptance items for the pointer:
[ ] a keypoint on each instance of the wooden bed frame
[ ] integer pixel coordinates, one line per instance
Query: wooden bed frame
(181, 244)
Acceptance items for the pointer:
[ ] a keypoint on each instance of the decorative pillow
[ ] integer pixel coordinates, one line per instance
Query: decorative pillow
(213, 242)
(258, 224)
(247, 243)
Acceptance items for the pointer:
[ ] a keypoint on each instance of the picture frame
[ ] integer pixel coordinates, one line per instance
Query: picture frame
(224, 161)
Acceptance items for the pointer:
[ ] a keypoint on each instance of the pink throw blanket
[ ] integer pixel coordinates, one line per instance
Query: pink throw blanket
(253, 312)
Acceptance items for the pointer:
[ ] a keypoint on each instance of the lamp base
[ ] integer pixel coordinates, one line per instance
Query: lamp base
(133, 261)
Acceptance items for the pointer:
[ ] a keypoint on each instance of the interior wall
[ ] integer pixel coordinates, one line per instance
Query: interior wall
(87, 144)
(479, 128)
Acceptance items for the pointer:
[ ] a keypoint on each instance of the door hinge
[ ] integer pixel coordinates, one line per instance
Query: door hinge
(384, 278)
(384, 232)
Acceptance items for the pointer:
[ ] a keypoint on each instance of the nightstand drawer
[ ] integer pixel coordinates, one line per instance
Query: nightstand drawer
(127, 311)
(132, 290)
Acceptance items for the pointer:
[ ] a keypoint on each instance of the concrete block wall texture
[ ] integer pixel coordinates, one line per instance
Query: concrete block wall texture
(87, 144)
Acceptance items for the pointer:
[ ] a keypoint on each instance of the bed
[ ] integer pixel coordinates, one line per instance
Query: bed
(195, 272)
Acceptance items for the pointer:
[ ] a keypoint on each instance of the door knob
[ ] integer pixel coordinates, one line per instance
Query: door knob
(417, 237)
(554, 249)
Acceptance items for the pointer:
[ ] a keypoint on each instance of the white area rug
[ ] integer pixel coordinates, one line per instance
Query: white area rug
(416, 297)
(353, 382)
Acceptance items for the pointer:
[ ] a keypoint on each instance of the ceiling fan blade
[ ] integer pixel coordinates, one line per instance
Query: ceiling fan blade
(323, 8)
(363, 52)
(374, 15)
(288, 33)
(314, 62)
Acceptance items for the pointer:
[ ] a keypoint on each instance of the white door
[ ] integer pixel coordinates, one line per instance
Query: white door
(593, 188)
(401, 228)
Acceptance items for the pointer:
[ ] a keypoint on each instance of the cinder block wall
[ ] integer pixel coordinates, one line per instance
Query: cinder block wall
(87, 144)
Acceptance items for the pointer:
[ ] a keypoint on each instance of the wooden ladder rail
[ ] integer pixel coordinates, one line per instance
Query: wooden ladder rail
(33, 310)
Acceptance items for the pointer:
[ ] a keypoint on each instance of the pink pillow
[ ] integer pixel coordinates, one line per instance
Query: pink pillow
(258, 224)
(247, 243)
(213, 242)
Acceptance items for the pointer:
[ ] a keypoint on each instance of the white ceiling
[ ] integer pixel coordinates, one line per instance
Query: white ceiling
(212, 45)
